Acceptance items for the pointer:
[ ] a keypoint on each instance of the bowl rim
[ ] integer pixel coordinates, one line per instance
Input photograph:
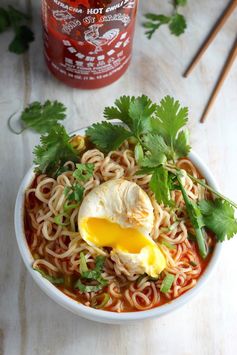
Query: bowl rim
(102, 315)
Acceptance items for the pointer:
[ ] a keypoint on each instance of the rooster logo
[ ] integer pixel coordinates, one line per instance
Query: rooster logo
(92, 36)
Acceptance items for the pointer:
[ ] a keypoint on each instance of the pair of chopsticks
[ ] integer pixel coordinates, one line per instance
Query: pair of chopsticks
(230, 60)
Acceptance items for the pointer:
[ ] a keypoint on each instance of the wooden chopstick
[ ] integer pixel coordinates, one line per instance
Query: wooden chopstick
(218, 26)
(230, 60)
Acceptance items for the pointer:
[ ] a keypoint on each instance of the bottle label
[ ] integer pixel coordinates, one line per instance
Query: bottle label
(88, 39)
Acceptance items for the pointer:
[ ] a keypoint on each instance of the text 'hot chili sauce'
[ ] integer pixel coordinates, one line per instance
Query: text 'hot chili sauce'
(88, 43)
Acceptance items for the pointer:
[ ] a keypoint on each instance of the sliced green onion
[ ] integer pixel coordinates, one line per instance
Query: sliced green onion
(87, 288)
(91, 274)
(68, 207)
(173, 226)
(192, 263)
(168, 245)
(83, 264)
(138, 152)
(59, 219)
(99, 262)
(54, 280)
(68, 281)
(167, 283)
(100, 301)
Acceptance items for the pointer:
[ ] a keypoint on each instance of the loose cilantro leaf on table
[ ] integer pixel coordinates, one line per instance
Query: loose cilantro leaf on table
(21, 42)
(176, 22)
(4, 20)
(181, 2)
(54, 151)
(218, 216)
(154, 22)
(42, 117)
(15, 19)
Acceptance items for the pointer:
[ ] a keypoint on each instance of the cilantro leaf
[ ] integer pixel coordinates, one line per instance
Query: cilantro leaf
(83, 172)
(21, 41)
(15, 19)
(42, 117)
(160, 186)
(54, 151)
(181, 2)
(134, 112)
(92, 275)
(4, 20)
(181, 146)
(177, 24)
(218, 216)
(120, 110)
(171, 118)
(106, 136)
(141, 110)
(54, 280)
(154, 22)
(74, 193)
(158, 150)
(17, 16)
(87, 288)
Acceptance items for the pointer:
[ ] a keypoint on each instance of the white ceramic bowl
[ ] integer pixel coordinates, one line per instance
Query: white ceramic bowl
(94, 314)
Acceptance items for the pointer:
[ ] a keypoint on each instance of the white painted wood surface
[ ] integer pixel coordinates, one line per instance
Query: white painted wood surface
(30, 323)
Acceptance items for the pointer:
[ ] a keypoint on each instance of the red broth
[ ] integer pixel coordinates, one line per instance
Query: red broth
(39, 252)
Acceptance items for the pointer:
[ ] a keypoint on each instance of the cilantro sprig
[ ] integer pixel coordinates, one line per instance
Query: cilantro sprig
(16, 20)
(176, 22)
(218, 216)
(40, 117)
(54, 151)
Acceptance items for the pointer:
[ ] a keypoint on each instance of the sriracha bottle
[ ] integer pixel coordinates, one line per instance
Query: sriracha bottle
(88, 43)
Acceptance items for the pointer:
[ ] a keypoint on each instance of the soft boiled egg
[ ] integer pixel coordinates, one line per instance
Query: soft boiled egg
(118, 214)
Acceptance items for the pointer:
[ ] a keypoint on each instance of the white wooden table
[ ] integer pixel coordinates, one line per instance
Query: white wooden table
(30, 323)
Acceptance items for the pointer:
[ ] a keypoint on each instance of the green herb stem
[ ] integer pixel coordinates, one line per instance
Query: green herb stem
(196, 219)
(200, 182)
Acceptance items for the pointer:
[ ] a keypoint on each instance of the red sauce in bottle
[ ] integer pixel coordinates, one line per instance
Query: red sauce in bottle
(88, 43)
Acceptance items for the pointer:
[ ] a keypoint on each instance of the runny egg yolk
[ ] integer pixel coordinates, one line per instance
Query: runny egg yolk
(104, 233)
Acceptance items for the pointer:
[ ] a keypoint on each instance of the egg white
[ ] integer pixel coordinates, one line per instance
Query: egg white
(123, 202)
